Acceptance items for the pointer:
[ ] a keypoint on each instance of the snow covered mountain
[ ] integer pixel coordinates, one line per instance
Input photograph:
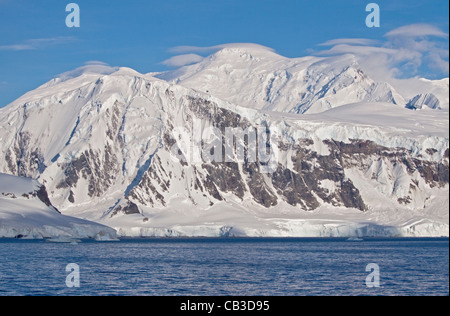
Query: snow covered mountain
(258, 78)
(421, 100)
(423, 93)
(150, 157)
(26, 212)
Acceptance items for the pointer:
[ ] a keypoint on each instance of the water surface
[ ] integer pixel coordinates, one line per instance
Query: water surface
(230, 266)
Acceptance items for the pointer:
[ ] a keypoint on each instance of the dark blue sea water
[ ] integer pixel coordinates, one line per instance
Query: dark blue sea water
(229, 267)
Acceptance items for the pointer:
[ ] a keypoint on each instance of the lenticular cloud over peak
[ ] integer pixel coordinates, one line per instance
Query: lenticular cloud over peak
(415, 30)
(212, 49)
(95, 67)
(182, 60)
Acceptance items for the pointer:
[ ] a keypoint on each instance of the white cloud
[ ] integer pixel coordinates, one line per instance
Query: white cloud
(38, 43)
(16, 47)
(211, 49)
(94, 67)
(357, 50)
(350, 41)
(417, 30)
(183, 60)
(406, 52)
(437, 63)
(96, 62)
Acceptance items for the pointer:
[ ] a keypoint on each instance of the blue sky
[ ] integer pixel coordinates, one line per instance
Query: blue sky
(36, 44)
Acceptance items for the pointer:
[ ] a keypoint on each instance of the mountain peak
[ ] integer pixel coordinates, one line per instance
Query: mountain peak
(256, 77)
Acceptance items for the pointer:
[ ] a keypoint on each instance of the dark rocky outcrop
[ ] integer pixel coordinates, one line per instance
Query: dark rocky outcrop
(128, 208)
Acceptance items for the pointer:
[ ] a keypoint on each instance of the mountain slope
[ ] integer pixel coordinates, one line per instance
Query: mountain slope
(26, 212)
(260, 79)
(149, 158)
(415, 89)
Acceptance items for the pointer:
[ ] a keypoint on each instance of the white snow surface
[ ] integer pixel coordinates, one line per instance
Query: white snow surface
(245, 219)
(24, 215)
(259, 78)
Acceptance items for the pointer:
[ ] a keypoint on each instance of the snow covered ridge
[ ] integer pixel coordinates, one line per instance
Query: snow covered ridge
(103, 146)
(261, 79)
(26, 212)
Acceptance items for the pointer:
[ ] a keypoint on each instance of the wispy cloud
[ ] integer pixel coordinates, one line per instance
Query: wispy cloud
(404, 53)
(211, 49)
(93, 67)
(416, 30)
(16, 47)
(38, 43)
(183, 60)
(350, 41)
(357, 50)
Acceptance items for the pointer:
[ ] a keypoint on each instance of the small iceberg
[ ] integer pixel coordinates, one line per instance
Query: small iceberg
(355, 239)
(64, 240)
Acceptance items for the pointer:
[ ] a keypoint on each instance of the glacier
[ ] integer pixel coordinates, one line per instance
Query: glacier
(26, 212)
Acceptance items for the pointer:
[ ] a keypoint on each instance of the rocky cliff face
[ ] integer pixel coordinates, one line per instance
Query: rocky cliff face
(422, 100)
(303, 177)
